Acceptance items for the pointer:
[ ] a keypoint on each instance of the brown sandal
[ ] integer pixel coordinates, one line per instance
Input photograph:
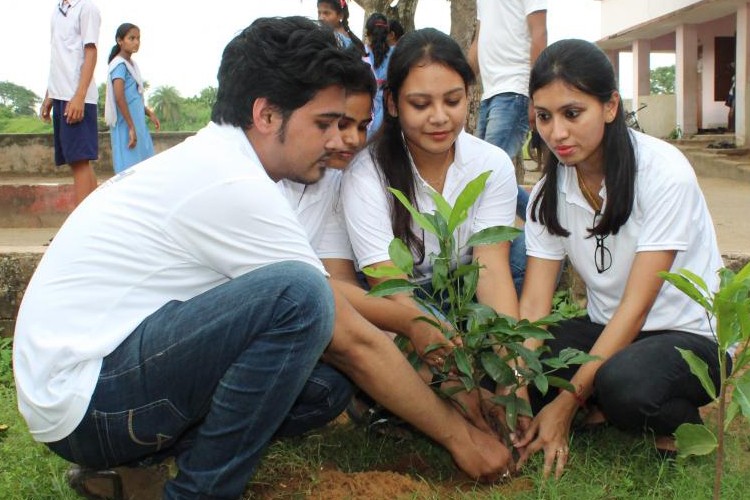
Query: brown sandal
(107, 480)
(119, 483)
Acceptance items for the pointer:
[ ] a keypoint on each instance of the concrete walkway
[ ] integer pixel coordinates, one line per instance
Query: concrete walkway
(728, 200)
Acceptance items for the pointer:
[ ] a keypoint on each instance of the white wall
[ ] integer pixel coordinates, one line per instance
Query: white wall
(618, 15)
(658, 118)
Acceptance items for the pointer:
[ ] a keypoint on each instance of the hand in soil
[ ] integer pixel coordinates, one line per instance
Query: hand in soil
(481, 456)
(549, 432)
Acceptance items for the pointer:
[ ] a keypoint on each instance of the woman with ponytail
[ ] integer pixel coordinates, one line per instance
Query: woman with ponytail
(335, 13)
(124, 108)
(378, 55)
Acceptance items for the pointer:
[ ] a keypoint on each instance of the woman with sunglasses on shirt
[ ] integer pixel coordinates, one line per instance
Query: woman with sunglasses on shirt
(622, 207)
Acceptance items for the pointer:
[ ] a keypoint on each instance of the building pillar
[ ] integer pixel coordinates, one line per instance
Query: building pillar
(614, 58)
(641, 70)
(686, 78)
(742, 78)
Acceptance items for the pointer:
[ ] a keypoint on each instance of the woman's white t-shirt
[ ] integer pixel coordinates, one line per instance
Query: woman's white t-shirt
(669, 213)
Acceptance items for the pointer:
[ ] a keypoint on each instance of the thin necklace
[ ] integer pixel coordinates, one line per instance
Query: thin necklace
(594, 201)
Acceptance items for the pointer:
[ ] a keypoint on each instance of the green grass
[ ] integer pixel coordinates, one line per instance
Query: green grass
(24, 125)
(604, 464)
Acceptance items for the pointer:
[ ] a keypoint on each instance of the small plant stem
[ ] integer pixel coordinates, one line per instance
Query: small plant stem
(720, 443)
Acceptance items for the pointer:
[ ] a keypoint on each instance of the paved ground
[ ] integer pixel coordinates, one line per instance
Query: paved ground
(728, 201)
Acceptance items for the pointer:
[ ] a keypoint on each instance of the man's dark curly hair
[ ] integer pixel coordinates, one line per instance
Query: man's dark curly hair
(286, 60)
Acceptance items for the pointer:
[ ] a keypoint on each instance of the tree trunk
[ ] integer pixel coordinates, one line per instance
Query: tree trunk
(463, 17)
(463, 24)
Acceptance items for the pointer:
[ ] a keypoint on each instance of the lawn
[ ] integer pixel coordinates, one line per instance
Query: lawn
(343, 461)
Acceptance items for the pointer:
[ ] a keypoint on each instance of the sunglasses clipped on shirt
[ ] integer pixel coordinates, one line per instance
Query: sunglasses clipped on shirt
(63, 7)
(602, 255)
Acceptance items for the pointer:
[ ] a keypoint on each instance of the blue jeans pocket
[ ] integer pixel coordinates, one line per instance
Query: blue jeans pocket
(134, 433)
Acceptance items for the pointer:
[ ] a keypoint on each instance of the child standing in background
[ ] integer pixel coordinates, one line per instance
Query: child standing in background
(71, 97)
(124, 109)
(378, 55)
(335, 13)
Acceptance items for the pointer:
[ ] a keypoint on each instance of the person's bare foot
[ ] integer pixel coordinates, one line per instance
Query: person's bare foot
(666, 447)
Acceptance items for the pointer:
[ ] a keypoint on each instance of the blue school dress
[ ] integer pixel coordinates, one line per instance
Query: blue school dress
(122, 156)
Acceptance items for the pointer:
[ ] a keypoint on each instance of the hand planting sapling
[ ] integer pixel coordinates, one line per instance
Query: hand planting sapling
(486, 348)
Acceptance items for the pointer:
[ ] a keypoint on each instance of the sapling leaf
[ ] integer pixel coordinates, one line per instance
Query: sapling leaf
(440, 274)
(699, 368)
(401, 256)
(496, 368)
(462, 361)
(530, 331)
(391, 287)
(480, 313)
(733, 409)
(697, 280)
(571, 356)
(744, 273)
(686, 287)
(560, 383)
(541, 383)
(382, 271)
(554, 363)
(530, 358)
(490, 235)
(419, 218)
(727, 330)
(726, 276)
(743, 318)
(443, 207)
(432, 347)
(552, 319)
(742, 358)
(468, 383)
(452, 391)
(524, 408)
(466, 199)
(470, 282)
(741, 394)
(694, 439)
(511, 412)
(464, 269)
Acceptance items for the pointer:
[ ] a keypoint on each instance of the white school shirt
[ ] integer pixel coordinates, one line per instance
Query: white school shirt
(367, 209)
(70, 33)
(320, 212)
(169, 228)
(504, 44)
(669, 213)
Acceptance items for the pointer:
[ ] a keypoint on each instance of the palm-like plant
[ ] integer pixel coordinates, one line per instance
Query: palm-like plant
(167, 102)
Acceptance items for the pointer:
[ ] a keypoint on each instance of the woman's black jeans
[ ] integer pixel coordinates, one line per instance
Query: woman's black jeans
(647, 385)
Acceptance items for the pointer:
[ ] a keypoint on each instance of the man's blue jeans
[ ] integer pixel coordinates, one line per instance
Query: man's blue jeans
(504, 121)
(213, 379)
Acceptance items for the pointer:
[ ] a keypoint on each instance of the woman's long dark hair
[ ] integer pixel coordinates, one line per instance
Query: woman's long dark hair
(388, 150)
(120, 34)
(341, 7)
(583, 65)
(377, 29)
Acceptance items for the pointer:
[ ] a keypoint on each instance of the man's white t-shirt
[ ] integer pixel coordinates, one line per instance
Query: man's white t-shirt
(367, 206)
(319, 210)
(71, 31)
(669, 213)
(504, 45)
(169, 228)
